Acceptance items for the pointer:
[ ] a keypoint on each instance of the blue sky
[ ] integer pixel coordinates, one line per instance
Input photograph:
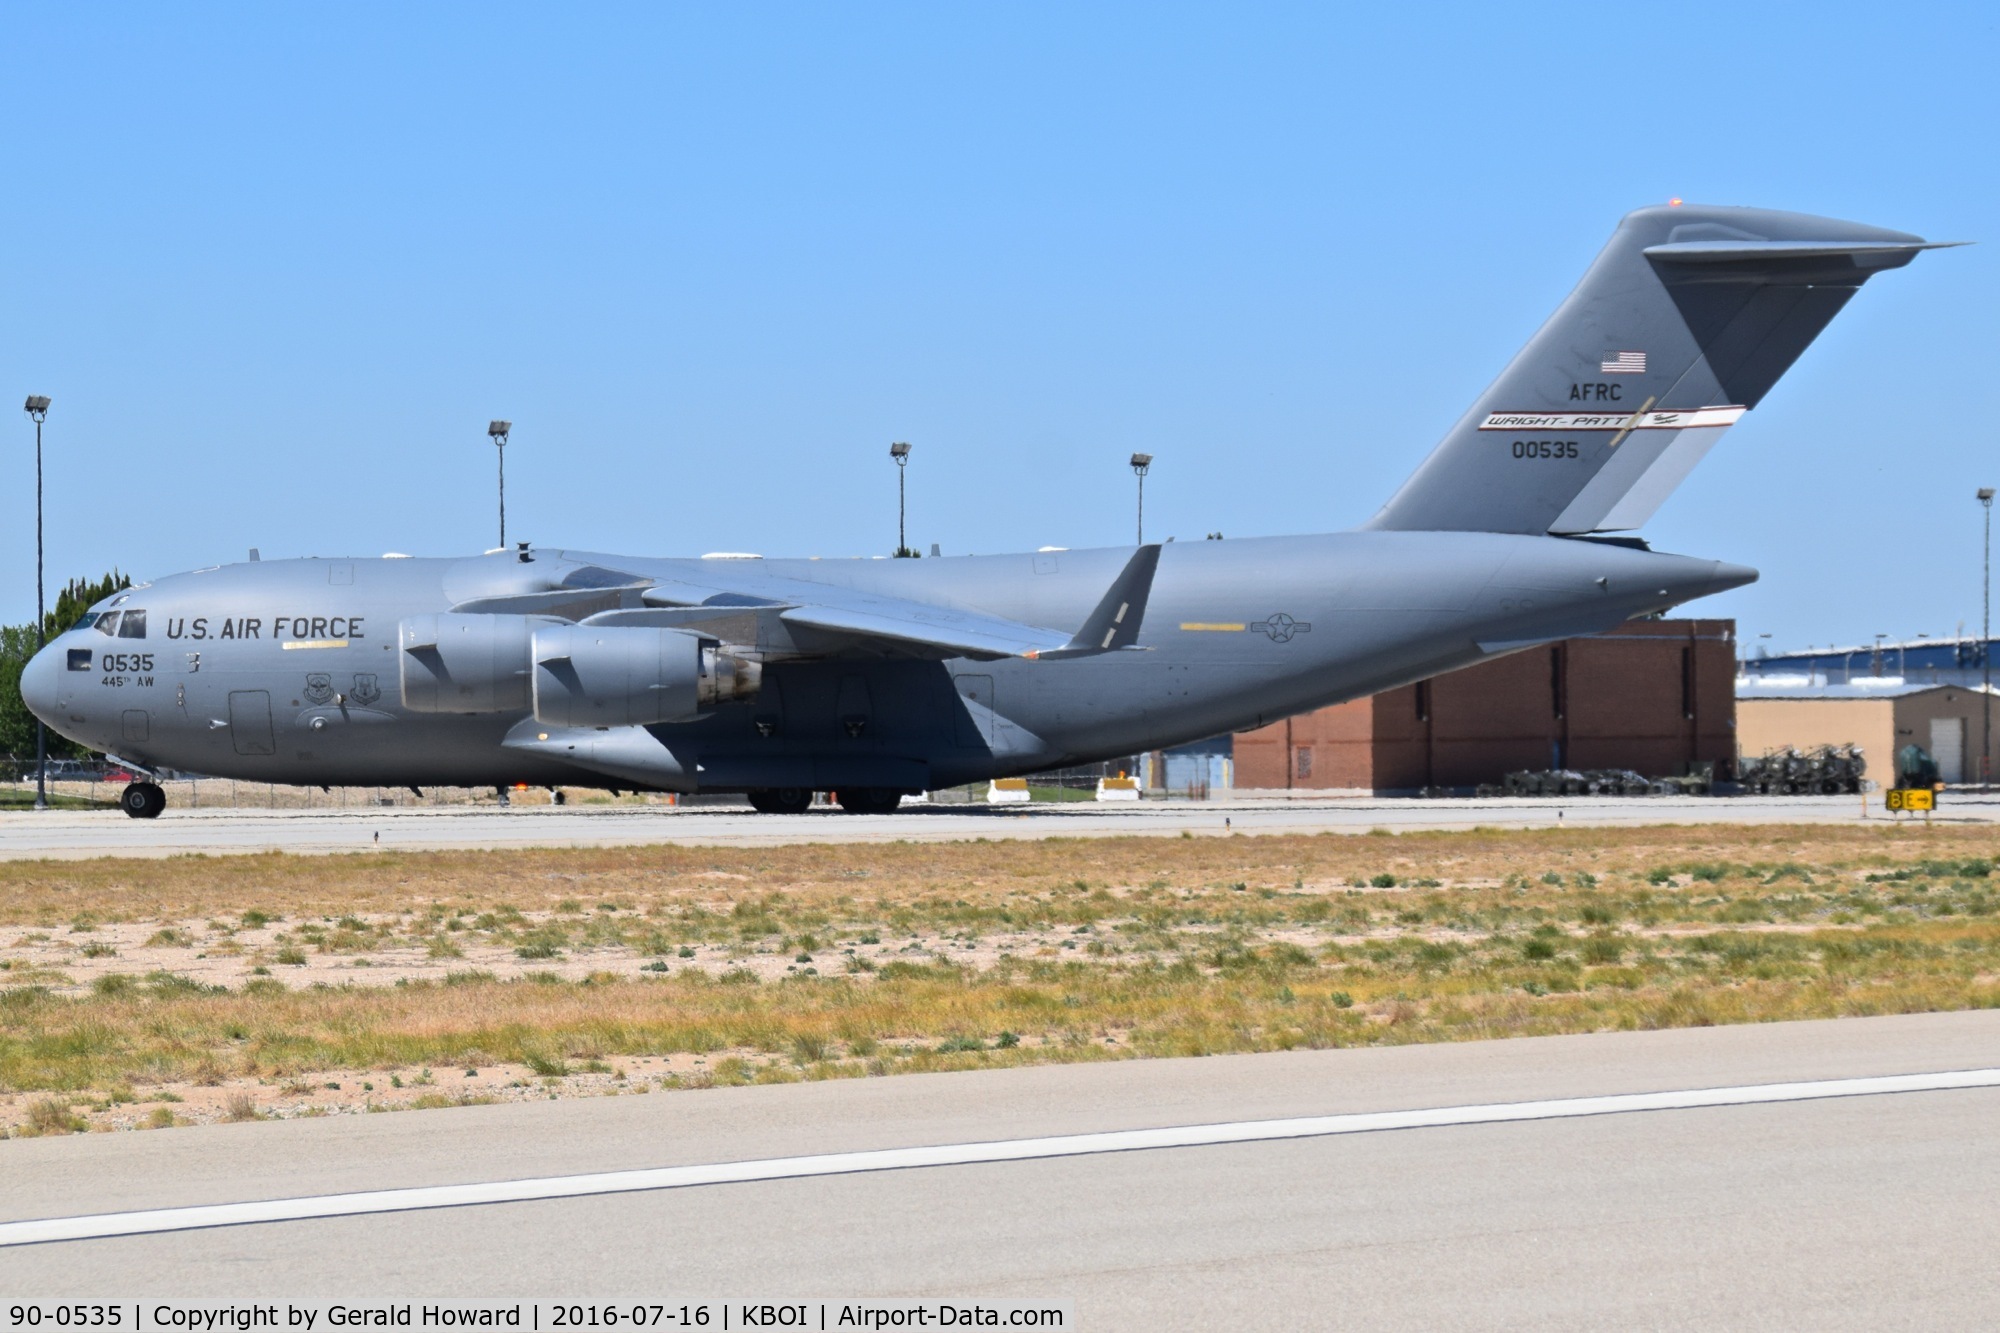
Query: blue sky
(278, 266)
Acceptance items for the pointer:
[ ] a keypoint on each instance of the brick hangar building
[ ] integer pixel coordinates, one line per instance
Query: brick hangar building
(1656, 696)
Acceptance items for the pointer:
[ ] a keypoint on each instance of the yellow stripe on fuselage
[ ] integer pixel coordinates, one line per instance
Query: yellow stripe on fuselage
(1216, 626)
(314, 643)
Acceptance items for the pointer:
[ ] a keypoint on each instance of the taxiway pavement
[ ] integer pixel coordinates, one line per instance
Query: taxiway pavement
(73, 833)
(1865, 1211)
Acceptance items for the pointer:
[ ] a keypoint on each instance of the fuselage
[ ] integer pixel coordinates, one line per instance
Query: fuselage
(290, 671)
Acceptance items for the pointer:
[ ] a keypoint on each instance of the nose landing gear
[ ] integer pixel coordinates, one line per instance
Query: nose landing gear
(142, 800)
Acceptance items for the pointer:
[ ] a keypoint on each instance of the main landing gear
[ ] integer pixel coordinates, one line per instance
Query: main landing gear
(869, 800)
(798, 800)
(781, 800)
(142, 800)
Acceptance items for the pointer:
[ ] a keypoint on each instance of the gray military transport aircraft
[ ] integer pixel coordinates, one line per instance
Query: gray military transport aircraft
(874, 679)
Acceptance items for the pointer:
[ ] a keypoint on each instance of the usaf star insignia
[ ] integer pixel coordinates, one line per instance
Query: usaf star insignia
(1281, 627)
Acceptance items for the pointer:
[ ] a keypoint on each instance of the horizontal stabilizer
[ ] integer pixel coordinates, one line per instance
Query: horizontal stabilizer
(1869, 255)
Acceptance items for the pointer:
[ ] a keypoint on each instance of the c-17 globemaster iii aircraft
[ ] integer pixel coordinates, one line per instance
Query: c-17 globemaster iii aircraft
(874, 679)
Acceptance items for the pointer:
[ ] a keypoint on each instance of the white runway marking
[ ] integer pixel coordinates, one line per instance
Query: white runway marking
(101, 1225)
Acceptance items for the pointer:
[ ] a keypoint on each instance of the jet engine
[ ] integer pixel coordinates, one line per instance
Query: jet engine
(618, 676)
(570, 675)
(466, 663)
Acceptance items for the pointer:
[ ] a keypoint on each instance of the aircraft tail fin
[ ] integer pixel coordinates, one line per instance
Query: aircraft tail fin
(1681, 325)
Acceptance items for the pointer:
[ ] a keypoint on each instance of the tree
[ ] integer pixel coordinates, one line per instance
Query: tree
(17, 724)
(78, 596)
(17, 645)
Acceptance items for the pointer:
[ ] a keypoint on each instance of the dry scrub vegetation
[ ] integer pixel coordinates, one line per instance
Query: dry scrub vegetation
(150, 993)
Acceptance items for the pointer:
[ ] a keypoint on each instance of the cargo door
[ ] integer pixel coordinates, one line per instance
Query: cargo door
(250, 722)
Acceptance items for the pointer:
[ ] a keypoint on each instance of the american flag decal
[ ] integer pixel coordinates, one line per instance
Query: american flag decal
(1623, 363)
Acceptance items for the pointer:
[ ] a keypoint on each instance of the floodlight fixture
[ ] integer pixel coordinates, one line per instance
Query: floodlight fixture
(499, 431)
(1986, 645)
(1141, 465)
(900, 451)
(37, 408)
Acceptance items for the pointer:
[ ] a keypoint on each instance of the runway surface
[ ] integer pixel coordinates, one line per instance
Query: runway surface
(67, 834)
(1850, 1211)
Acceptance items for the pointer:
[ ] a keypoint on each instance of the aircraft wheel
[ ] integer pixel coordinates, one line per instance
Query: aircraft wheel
(781, 800)
(870, 800)
(142, 800)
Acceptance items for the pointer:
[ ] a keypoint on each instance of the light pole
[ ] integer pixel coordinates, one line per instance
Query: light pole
(1986, 646)
(37, 408)
(1141, 464)
(499, 430)
(900, 451)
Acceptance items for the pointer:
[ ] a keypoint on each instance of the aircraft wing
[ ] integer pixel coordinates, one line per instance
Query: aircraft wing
(931, 631)
(871, 625)
(822, 617)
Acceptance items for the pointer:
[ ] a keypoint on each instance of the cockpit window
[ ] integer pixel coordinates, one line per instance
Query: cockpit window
(107, 622)
(133, 625)
(85, 621)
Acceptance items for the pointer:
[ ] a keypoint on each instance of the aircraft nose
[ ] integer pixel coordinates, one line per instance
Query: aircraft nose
(39, 679)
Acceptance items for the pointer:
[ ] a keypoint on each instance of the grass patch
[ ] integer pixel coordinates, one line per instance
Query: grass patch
(960, 955)
(52, 1115)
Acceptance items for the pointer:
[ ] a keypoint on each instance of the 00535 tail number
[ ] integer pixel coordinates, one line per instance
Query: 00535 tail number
(1545, 449)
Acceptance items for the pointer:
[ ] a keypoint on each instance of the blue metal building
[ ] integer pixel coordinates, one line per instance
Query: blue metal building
(1926, 661)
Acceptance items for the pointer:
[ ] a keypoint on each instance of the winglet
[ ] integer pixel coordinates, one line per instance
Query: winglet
(1114, 624)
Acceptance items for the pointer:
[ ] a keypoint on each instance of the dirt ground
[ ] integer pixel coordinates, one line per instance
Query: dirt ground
(141, 994)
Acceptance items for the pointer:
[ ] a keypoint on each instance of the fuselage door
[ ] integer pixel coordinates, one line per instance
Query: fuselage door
(250, 722)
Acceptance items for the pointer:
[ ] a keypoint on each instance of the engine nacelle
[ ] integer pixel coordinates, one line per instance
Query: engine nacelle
(620, 676)
(466, 663)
